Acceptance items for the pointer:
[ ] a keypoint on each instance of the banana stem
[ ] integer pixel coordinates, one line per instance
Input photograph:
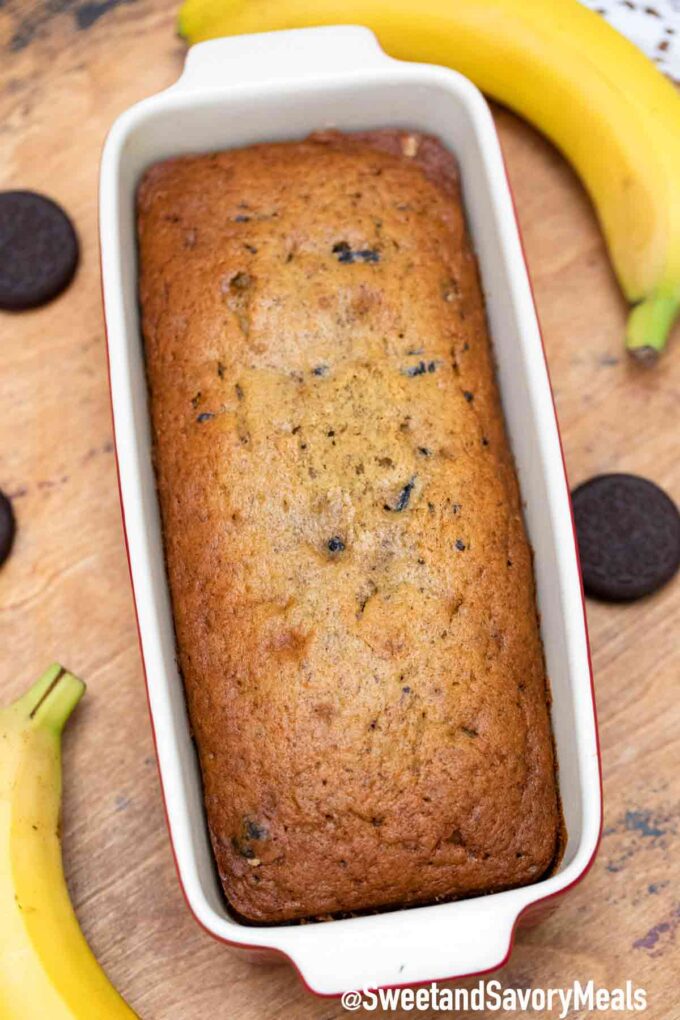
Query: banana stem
(49, 702)
(650, 323)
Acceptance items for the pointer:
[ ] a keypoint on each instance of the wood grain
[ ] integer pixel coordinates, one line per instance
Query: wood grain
(68, 68)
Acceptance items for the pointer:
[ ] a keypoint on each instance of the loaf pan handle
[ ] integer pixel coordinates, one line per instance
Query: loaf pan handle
(436, 943)
(293, 55)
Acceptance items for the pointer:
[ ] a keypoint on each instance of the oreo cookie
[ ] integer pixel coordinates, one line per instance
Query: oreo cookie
(628, 533)
(7, 527)
(38, 250)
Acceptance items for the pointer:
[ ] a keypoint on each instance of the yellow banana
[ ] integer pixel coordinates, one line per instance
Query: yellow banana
(47, 970)
(562, 67)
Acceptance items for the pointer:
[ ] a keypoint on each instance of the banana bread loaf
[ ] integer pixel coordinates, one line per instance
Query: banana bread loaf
(351, 580)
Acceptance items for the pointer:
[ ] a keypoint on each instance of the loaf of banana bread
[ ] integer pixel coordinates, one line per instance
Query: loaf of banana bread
(350, 576)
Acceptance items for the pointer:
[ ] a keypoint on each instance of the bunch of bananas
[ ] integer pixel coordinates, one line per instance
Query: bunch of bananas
(559, 65)
(47, 970)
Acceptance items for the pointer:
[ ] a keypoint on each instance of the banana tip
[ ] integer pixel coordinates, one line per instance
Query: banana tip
(645, 355)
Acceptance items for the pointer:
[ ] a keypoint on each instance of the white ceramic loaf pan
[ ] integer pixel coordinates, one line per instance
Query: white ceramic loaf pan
(235, 92)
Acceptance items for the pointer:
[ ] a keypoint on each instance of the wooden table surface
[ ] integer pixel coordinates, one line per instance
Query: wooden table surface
(68, 68)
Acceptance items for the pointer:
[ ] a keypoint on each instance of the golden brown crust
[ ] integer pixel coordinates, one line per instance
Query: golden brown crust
(351, 581)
